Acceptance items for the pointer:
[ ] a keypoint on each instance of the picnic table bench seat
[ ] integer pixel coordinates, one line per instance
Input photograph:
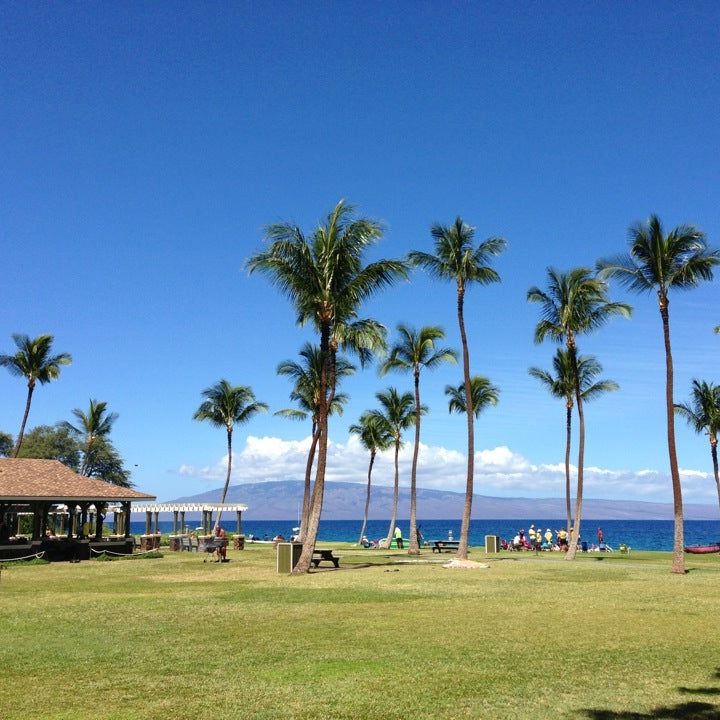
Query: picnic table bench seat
(450, 545)
(325, 556)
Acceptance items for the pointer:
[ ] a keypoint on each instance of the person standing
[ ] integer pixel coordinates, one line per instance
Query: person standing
(601, 536)
(221, 544)
(399, 538)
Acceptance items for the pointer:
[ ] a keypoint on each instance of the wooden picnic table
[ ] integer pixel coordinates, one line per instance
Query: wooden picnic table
(439, 545)
(325, 556)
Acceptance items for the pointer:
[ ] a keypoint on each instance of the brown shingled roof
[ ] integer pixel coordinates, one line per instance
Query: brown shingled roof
(26, 479)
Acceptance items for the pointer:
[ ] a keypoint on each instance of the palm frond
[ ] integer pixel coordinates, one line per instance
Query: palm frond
(292, 414)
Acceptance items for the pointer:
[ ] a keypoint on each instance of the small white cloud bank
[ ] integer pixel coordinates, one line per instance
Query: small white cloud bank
(499, 471)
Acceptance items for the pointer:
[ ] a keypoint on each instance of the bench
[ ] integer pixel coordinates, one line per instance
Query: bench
(450, 545)
(186, 544)
(325, 556)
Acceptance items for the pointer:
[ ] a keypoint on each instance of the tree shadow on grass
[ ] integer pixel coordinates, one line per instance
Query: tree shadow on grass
(693, 710)
(682, 711)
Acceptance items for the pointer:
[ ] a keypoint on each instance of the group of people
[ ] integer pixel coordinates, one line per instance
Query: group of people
(536, 539)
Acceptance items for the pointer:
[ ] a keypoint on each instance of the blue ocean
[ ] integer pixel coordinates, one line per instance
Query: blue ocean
(638, 534)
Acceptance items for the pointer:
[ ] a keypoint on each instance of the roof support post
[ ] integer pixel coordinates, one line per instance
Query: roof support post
(126, 519)
(99, 517)
(37, 517)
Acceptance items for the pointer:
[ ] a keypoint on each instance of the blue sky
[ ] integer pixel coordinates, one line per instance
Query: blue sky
(145, 146)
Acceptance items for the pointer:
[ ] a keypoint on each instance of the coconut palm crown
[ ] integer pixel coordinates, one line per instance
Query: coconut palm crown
(660, 262)
(93, 425)
(414, 350)
(483, 393)
(226, 406)
(34, 362)
(703, 415)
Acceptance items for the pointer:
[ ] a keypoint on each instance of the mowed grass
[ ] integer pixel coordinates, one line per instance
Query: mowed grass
(603, 637)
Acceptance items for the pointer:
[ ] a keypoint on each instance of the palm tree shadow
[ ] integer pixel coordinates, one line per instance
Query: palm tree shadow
(693, 710)
(682, 711)
(699, 691)
(703, 690)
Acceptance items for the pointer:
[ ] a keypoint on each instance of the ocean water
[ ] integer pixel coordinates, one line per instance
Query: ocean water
(638, 534)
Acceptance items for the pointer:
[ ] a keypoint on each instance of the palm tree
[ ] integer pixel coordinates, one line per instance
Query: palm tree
(574, 303)
(227, 405)
(34, 362)
(562, 386)
(306, 392)
(660, 263)
(398, 413)
(325, 279)
(482, 394)
(456, 259)
(703, 415)
(93, 425)
(375, 435)
(416, 349)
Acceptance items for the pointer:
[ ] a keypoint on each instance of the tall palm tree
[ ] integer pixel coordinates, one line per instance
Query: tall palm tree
(398, 413)
(658, 262)
(457, 260)
(325, 279)
(375, 435)
(416, 349)
(574, 303)
(306, 392)
(227, 405)
(562, 385)
(703, 415)
(93, 425)
(34, 362)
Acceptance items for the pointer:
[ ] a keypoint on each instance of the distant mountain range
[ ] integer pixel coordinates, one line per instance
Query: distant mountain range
(346, 501)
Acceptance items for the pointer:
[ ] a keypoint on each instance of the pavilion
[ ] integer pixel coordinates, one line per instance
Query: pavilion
(67, 511)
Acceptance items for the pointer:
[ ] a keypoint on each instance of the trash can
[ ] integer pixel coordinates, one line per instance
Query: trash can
(239, 542)
(288, 554)
(492, 544)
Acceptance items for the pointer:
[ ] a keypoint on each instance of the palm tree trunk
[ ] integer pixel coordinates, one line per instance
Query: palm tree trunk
(306, 492)
(316, 501)
(572, 550)
(396, 493)
(414, 548)
(367, 497)
(85, 467)
(568, 441)
(678, 559)
(467, 509)
(31, 387)
(227, 479)
(713, 452)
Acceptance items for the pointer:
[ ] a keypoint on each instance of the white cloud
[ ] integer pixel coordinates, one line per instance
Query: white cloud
(499, 471)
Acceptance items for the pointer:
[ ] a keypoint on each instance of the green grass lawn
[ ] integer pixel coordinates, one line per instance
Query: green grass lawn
(529, 637)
